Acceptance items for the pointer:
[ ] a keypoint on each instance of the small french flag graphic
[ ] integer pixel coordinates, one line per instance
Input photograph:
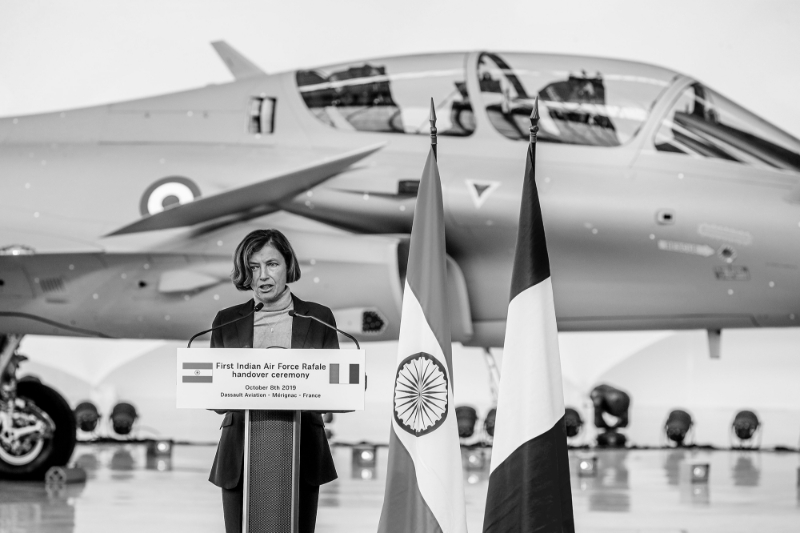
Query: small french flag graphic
(197, 372)
(344, 375)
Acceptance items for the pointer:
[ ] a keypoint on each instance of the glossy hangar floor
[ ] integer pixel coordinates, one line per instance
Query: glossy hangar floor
(633, 491)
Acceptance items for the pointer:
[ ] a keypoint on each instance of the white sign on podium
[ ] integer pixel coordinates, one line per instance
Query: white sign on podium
(271, 379)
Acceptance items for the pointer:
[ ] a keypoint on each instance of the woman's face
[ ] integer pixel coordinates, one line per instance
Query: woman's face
(269, 274)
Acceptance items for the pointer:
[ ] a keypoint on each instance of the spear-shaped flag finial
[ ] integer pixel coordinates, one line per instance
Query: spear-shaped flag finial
(535, 120)
(433, 128)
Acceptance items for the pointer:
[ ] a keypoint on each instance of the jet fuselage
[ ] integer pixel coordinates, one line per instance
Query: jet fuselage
(661, 210)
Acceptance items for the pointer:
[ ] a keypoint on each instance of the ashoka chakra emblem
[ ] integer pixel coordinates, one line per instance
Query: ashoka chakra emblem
(420, 394)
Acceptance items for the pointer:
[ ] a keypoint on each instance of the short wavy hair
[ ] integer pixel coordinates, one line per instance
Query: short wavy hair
(242, 276)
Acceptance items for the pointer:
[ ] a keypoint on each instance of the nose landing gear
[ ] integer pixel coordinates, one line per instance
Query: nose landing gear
(37, 426)
(23, 432)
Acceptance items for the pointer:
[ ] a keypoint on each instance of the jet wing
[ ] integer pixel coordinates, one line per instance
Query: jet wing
(250, 197)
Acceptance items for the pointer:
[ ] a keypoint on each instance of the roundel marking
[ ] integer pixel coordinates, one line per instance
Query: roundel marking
(420, 394)
(166, 193)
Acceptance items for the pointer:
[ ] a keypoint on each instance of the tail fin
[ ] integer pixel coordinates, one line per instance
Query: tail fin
(240, 66)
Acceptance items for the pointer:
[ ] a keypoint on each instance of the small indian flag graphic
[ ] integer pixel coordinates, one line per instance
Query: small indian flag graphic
(341, 374)
(197, 372)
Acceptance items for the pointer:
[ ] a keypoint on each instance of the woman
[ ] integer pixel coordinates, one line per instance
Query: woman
(264, 263)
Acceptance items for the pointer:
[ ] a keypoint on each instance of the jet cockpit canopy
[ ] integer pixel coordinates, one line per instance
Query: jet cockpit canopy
(582, 100)
(391, 95)
(585, 101)
(703, 123)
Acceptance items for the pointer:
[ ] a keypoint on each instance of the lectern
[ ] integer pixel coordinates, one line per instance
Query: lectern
(272, 386)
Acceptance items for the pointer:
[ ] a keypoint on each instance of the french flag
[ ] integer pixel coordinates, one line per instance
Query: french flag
(529, 486)
(346, 375)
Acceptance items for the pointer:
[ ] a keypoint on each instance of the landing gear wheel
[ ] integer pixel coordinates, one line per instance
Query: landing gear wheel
(40, 454)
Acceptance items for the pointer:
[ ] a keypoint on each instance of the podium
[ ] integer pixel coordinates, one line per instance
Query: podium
(272, 386)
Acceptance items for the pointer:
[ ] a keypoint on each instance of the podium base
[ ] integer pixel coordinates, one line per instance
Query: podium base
(271, 470)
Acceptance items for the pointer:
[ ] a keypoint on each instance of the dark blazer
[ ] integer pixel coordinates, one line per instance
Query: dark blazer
(316, 462)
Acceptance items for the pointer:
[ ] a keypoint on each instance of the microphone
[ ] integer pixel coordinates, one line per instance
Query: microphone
(292, 313)
(258, 307)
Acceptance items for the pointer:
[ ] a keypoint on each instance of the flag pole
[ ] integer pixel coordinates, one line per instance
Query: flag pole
(434, 130)
(424, 476)
(529, 484)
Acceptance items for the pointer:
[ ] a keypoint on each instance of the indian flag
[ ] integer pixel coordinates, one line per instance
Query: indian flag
(197, 372)
(529, 488)
(424, 483)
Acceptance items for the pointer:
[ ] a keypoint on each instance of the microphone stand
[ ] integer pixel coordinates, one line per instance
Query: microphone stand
(257, 308)
(292, 313)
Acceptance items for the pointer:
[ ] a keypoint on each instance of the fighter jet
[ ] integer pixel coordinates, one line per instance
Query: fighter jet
(666, 205)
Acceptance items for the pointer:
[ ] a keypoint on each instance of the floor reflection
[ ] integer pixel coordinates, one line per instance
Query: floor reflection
(475, 461)
(695, 493)
(89, 462)
(672, 465)
(633, 490)
(122, 460)
(122, 465)
(33, 506)
(161, 464)
(797, 484)
(746, 471)
(331, 496)
(609, 491)
(364, 457)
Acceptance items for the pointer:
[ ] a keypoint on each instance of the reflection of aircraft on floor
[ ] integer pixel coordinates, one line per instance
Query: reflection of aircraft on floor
(667, 206)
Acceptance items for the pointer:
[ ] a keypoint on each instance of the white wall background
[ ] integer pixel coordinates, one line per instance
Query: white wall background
(759, 370)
